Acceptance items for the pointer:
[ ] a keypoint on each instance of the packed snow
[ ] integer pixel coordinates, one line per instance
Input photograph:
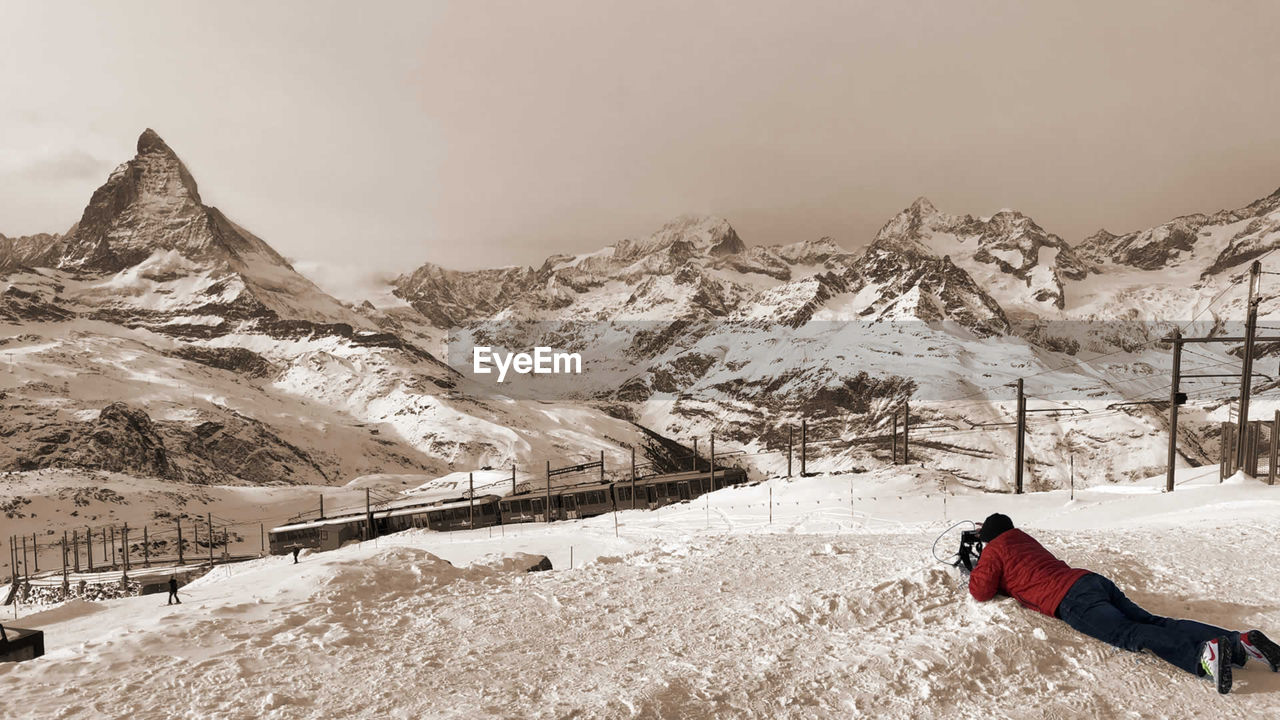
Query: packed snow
(825, 603)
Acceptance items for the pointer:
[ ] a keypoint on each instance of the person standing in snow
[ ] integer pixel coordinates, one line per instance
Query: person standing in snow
(1013, 563)
(173, 591)
(296, 549)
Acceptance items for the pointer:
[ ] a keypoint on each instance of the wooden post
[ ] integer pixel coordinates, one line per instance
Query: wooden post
(64, 563)
(770, 504)
(209, 536)
(694, 464)
(321, 506)
(633, 478)
(178, 521)
(906, 432)
(114, 562)
(1275, 449)
(1073, 476)
(804, 447)
(26, 566)
(895, 438)
(791, 438)
(75, 548)
(513, 477)
(548, 491)
(88, 547)
(1246, 372)
(601, 467)
(262, 539)
(471, 497)
(1022, 427)
(124, 547)
(35, 552)
(104, 549)
(1173, 409)
(713, 461)
(146, 548)
(368, 516)
(1255, 438)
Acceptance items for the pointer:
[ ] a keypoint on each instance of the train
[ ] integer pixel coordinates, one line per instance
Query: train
(567, 502)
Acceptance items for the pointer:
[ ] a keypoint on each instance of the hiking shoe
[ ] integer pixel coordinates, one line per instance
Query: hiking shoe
(1259, 647)
(1216, 663)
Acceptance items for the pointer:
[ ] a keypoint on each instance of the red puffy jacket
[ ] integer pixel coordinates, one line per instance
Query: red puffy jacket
(1016, 565)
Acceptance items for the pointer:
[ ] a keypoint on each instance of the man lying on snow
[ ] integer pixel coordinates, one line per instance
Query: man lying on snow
(1014, 564)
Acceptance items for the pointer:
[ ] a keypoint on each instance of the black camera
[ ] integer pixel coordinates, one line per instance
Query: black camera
(970, 549)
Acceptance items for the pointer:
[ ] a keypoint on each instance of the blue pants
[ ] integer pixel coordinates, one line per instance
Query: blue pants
(1097, 608)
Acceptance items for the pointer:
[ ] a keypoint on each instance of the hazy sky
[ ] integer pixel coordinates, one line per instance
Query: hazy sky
(365, 135)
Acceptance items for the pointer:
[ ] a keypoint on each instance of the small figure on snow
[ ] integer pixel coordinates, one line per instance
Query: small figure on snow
(296, 549)
(173, 591)
(1014, 563)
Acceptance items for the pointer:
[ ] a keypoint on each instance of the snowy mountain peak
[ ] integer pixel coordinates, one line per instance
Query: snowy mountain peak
(699, 234)
(922, 207)
(160, 252)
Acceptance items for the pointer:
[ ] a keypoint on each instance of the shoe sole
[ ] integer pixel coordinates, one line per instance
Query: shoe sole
(1224, 665)
(1270, 651)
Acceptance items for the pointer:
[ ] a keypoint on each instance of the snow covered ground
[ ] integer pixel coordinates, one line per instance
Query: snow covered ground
(835, 608)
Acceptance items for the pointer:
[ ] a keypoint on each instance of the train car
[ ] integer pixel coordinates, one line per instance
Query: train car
(331, 533)
(659, 490)
(321, 534)
(458, 515)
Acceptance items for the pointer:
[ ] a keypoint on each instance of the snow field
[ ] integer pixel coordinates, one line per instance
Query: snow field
(823, 613)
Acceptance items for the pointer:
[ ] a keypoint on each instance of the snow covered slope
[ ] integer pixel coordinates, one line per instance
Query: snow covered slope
(833, 609)
(693, 332)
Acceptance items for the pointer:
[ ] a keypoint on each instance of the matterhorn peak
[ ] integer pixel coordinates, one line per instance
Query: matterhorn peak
(150, 141)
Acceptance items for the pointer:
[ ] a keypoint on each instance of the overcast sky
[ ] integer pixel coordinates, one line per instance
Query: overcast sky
(471, 134)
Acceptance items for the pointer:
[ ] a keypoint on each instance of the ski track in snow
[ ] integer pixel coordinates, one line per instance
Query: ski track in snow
(673, 621)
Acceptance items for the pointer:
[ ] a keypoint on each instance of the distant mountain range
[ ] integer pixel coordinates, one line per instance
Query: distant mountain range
(688, 332)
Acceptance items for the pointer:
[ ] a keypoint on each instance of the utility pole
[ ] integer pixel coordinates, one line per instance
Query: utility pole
(1022, 429)
(1246, 375)
(804, 447)
(368, 517)
(124, 547)
(75, 548)
(601, 467)
(35, 552)
(695, 455)
(471, 497)
(791, 439)
(513, 475)
(113, 546)
(262, 539)
(88, 547)
(1173, 407)
(548, 491)
(633, 477)
(713, 461)
(210, 537)
(906, 423)
(322, 506)
(178, 521)
(146, 548)
(895, 438)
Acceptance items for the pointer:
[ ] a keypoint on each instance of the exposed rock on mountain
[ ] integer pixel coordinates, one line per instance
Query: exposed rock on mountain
(238, 369)
(145, 236)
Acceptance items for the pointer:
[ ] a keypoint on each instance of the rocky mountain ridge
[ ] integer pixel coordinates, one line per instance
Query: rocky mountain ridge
(159, 338)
